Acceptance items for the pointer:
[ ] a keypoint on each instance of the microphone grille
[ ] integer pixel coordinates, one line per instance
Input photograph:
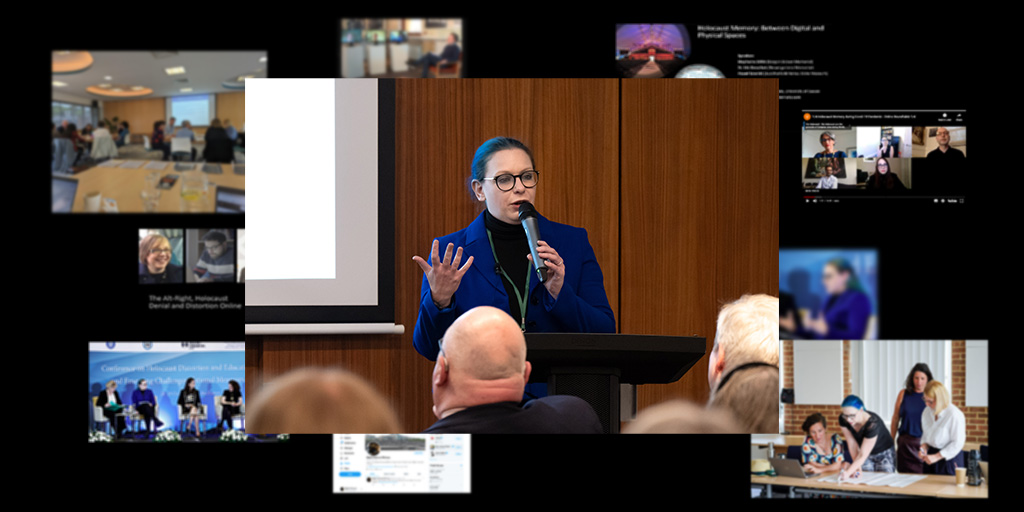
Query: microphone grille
(527, 210)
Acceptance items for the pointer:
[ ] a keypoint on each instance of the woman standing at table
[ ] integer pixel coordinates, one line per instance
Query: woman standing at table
(191, 404)
(571, 299)
(907, 419)
(870, 444)
(945, 432)
(819, 452)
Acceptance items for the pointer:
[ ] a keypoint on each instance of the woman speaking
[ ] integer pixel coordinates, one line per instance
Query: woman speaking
(498, 269)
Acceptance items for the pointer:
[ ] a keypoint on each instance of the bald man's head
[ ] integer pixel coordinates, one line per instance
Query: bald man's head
(482, 360)
(485, 343)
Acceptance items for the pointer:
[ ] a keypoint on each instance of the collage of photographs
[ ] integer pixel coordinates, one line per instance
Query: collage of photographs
(405, 173)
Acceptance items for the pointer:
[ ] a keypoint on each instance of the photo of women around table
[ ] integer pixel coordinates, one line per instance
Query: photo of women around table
(938, 392)
(160, 256)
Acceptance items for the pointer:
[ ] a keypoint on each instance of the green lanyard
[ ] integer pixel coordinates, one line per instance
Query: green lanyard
(520, 297)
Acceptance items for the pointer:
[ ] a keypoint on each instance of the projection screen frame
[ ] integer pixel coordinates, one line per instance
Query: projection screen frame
(319, 319)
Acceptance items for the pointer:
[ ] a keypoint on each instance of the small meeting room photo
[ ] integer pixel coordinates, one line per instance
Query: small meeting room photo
(150, 131)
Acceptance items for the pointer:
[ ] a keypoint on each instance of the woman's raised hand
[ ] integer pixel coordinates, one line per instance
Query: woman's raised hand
(444, 275)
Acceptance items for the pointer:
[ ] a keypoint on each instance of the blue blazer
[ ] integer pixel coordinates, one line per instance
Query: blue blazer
(582, 305)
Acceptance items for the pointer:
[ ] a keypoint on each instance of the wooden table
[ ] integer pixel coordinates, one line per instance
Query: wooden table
(125, 186)
(776, 443)
(933, 486)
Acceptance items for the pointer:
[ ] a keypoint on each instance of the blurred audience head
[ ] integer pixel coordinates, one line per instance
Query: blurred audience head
(320, 401)
(743, 367)
(682, 417)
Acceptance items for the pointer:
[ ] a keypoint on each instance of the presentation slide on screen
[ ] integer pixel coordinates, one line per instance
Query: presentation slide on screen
(197, 109)
(312, 232)
(401, 463)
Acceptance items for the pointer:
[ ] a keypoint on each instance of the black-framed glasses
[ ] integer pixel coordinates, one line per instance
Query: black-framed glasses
(507, 182)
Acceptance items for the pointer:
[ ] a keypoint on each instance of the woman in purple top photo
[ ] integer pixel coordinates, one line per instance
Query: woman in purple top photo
(846, 311)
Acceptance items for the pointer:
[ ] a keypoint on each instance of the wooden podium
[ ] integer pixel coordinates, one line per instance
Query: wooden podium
(591, 366)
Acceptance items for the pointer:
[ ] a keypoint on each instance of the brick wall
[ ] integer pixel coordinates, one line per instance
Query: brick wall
(977, 417)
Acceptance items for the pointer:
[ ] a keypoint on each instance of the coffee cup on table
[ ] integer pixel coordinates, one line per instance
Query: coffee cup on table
(961, 477)
(92, 201)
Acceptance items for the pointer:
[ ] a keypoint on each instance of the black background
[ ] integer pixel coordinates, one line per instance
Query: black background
(932, 280)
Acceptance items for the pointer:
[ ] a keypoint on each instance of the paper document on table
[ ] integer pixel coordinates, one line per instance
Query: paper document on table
(156, 165)
(876, 478)
(132, 164)
(110, 163)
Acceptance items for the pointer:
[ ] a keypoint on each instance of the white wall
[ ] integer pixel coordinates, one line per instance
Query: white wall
(977, 373)
(817, 372)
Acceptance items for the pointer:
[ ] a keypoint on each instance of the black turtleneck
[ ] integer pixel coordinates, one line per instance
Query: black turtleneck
(511, 248)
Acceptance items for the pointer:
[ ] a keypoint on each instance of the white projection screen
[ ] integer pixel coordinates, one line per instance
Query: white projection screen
(320, 215)
(197, 109)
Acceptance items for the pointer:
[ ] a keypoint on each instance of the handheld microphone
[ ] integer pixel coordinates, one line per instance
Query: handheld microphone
(528, 218)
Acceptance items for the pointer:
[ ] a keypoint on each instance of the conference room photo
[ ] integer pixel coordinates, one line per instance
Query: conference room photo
(150, 131)
(402, 48)
(513, 256)
(878, 418)
(829, 293)
(168, 392)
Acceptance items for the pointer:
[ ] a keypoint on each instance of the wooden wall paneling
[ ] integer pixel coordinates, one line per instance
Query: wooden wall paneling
(699, 208)
(231, 106)
(140, 114)
(572, 128)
